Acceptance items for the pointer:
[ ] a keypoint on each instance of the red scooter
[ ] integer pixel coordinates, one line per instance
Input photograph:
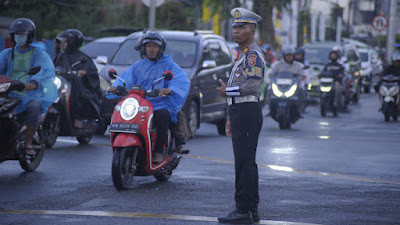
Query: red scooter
(133, 137)
(12, 131)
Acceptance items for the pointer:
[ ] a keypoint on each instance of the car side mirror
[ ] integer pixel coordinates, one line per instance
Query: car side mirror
(208, 64)
(102, 60)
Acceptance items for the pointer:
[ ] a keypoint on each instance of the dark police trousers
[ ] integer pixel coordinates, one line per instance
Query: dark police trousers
(246, 122)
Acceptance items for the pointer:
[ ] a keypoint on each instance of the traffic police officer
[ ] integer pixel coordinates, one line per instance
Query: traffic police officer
(245, 116)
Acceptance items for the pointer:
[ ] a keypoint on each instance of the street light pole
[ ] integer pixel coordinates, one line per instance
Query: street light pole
(391, 32)
(152, 14)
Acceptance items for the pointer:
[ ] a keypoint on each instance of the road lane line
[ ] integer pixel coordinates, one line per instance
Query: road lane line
(134, 215)
(290, 169)
(280, 168)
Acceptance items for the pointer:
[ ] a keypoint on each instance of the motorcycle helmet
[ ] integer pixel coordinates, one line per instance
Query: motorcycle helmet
(327, 73)
(299, 51)
(339, 51)
(154, 38)
(396, 56)
(288, 51)
(73, 37)
(23, 26)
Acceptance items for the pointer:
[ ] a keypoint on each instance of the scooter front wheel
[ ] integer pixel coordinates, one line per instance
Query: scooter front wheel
(124, 166)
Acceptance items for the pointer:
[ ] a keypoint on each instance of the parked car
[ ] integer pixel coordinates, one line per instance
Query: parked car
(318, 56)
(101, 49)
(370, 67)
(203, 55)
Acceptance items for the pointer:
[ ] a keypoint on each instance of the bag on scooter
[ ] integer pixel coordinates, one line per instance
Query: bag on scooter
(182, 129)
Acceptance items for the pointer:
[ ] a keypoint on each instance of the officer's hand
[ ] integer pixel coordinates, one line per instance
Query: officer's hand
(222, 88)
(228, 128)
(30, 86)
(112, 90)
(81, 73)
(164, 92)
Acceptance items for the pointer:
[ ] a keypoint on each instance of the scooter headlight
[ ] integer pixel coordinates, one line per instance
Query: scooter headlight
(4, 87)
(325, 89)
(291, 91)
(276, 90)
(129, 108)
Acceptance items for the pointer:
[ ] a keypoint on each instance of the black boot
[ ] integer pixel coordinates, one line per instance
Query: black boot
(236, 217)
(254, 214)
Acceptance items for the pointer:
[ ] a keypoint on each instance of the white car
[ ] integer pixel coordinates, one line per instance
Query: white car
(102, 49)
(370, 67)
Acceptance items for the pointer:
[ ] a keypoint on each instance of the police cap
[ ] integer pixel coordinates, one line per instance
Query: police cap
(243, 16)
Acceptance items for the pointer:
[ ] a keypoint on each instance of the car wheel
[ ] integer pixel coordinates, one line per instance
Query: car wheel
(193, 117)
(221, 127)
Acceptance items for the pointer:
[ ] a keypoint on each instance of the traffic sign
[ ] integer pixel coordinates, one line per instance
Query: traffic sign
(379, 23)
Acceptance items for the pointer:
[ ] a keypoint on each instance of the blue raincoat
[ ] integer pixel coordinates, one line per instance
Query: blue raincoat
(47, 91)
(145, 71)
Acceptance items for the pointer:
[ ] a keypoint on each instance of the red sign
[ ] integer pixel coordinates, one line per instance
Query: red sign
(379, 23)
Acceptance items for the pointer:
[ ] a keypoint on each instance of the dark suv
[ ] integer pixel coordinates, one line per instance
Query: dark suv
(203, 55)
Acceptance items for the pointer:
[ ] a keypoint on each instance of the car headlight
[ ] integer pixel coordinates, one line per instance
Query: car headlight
(276, 90)
(4, 87)
(57, 82)
(291, 91)
(129, 108)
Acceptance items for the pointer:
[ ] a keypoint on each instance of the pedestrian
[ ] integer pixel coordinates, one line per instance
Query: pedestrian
(245, 116)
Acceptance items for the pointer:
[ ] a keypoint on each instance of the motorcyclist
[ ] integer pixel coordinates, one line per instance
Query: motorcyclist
(153, 64)
(85, 91)
(40, 91)
(394, 68)
(338, 71)
(289, 64)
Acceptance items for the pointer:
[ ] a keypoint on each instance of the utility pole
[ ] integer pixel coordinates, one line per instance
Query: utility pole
(152, 14)
(391, 32)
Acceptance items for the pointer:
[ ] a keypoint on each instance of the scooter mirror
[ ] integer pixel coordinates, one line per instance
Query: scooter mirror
(168, 75)
(34, 70)
(112, 73)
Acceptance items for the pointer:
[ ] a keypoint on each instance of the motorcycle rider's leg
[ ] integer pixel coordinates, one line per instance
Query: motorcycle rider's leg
(161, 121)
(338, 94)
(32, 117)
(301, 102)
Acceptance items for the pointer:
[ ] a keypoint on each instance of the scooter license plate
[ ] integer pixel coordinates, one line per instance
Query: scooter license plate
(124, 127)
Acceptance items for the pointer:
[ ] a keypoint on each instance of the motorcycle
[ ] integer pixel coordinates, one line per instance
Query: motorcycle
(389, 97)
(12, 131)
(327, 93)
(284, 99)
(60, 121)
(133, 137)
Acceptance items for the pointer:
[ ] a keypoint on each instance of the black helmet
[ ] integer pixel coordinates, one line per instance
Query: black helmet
(73, 37)
(327, 73)
(154, 38)
(23, 26)
(300, 51)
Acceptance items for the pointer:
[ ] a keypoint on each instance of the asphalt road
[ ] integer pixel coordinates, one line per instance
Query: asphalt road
(329, 170)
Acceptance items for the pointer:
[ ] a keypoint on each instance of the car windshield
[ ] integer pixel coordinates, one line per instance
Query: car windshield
(183, 53)
(317, 55)
(95, 49)
(364, 56)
